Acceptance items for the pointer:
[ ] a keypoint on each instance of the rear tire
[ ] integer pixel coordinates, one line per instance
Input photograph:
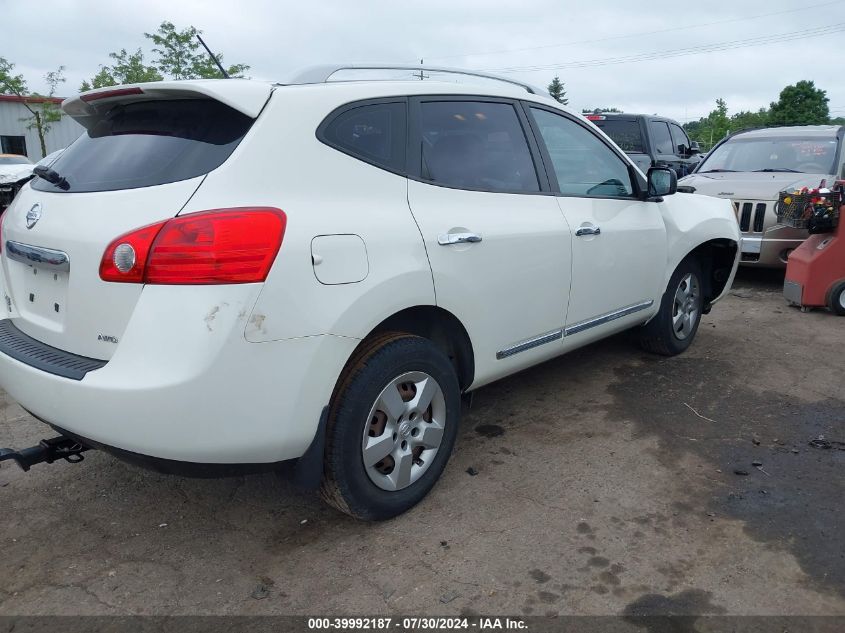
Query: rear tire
(836, 299)
(392, 425)
(674, 327)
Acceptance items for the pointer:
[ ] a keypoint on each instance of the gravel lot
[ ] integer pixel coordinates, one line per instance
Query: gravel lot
(605, 484)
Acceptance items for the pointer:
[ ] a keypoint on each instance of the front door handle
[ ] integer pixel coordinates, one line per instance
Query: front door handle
(588, 229)
(458, 238)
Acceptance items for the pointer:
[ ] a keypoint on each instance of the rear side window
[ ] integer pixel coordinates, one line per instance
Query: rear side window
(660, 137)
(475, 145)
(375, 133)
(626, 134)
(149, 143)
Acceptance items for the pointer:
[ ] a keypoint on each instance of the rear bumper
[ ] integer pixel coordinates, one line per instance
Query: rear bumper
(185, 387)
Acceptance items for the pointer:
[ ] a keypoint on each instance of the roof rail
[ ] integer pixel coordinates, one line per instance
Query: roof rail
(322, 74)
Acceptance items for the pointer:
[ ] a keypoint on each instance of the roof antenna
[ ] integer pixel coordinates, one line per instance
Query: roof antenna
(212, 56)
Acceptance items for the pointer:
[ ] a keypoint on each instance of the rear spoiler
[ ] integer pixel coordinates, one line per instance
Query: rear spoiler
(244, 95)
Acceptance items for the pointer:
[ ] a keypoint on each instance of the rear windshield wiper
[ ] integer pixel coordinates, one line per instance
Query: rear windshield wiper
(52, 176)
(714, 171)
(771, 169)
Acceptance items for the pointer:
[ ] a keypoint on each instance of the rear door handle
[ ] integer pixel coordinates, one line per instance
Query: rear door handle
(458, 238)
(588, 229)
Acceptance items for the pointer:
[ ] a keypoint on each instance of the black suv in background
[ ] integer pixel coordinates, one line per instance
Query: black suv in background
(651, 141)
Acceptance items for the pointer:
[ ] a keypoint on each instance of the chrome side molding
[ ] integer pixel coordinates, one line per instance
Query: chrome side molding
(573, 329)
(530, 344)
(44, 257)
(605, 318)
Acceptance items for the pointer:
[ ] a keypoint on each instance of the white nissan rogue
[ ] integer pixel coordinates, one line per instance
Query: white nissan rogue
(222, 275)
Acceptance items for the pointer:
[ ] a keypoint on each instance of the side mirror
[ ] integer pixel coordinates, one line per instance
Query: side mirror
(693, 148)
(662, 181)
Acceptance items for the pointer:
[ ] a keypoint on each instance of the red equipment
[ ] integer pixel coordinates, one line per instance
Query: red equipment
(815, 271)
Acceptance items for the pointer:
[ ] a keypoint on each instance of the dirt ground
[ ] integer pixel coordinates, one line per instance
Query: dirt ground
(605, 485)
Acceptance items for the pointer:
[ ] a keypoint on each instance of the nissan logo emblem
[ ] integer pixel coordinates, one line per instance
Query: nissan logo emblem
(33, 215)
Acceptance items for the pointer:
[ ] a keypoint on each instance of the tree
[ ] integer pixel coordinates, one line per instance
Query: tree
(601, 111)
(744, 120)
(128, 68)
(557, 91)
(180, 55)
(711, 128)
(801, 104)
(42, 108)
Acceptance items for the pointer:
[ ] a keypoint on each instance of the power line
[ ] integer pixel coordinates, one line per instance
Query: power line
(639, 34)
(681, 52)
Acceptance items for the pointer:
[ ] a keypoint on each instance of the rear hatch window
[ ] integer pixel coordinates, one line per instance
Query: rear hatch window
(626, 134)
(149, 143)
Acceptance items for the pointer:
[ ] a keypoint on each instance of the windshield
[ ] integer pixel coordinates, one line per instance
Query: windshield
(810, 156)
(14, 160)
(626, 134)
(149, 143)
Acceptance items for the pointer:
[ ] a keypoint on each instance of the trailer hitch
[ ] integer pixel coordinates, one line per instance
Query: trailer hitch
(47, 451)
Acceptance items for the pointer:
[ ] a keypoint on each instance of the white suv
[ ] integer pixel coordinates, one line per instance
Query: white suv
(233, 274)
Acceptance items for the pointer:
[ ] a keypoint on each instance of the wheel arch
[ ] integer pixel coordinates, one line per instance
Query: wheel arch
(718, 260)
(442, 328)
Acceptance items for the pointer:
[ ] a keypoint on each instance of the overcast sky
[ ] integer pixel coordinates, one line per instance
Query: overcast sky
(275, 38)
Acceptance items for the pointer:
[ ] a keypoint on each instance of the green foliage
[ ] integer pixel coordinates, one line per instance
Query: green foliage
(128, 68)
(801, 104)
(11, 84)
(42, 112)
(179, 55)
(718, 124)
(557, 91)
(50, 112)
(743, 120)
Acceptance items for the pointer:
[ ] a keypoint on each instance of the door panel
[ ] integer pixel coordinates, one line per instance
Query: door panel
(619, 242)
(619, 269)
(508, 288)
(499, 248)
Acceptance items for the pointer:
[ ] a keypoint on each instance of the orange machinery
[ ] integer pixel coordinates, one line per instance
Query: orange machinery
(815, 271)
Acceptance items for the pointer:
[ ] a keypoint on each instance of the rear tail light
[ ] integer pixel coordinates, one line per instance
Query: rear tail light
(223, 246)
(140, 242)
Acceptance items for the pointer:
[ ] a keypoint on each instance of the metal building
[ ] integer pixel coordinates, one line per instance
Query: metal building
(15, 138)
